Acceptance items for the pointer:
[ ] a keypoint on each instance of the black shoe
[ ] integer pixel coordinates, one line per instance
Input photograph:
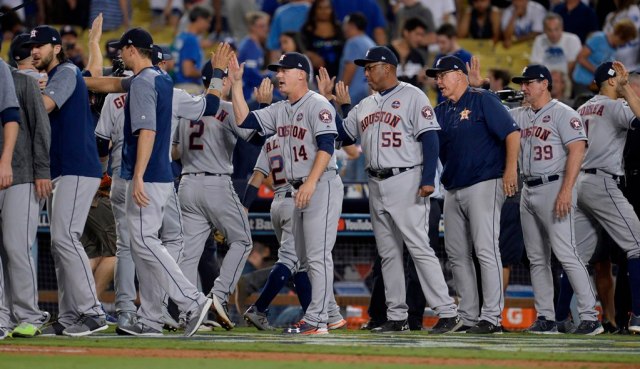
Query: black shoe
(371, 324)
(463, 329)
(392, 326)
(609, 327)
(484, 327)
(447, 325)
(589, 328)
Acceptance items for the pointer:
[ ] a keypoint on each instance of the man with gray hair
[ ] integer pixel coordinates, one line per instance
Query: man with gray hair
(556, 49)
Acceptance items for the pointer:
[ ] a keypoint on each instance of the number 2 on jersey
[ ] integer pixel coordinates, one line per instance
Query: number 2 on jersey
(277, 170)
(196, 135)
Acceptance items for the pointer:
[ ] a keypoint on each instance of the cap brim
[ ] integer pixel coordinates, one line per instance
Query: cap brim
(115, 45)
(363, 62)
(275, 67)
(519, 79)
(433, 72)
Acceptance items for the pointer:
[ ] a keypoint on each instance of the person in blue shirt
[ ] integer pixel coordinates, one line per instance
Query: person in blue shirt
(289, 17)
(251, 52)
(479, 157)
(376, 24)
(187, 51)
(578, 18)
(357, 45)
(600, 48)
(447, 39)
(76, 173)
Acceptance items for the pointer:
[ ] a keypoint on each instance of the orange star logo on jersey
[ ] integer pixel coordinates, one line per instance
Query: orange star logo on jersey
(465, 114)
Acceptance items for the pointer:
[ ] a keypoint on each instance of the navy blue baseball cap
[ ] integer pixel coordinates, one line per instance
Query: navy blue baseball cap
(136, 37)
(446, 64)
(533, 72)
(42, 35)
(291, 61)
(604, 72)
(160, 53)
(17, 51)
(378, 54)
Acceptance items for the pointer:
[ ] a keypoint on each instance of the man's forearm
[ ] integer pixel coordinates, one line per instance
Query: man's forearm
(146, 138)
(104, 84)
(10, 135)
(512, 143)
(319, 166)
(574, 162)
(240, 107)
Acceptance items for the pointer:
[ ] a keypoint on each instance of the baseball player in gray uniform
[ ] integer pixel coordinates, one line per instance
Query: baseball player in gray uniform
(205, 147)
(306, 130)
(10, 118)
(76, 172)
(552, 145)
(607, 117)
(23, 200)
(109, 128)
(397, 128)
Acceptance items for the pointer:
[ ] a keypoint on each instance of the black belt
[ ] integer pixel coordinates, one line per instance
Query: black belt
(288, 194)
(602, 173)
(538, 181)
(383, 174)
(296, 183)
(207, 174)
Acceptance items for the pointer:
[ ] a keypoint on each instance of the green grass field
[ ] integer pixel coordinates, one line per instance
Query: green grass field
(240, 348)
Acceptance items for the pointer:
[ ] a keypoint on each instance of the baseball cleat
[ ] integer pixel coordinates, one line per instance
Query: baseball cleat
(589, 328)
(543, 326)
(304, 329)
(25, 330)
(447, 325)
(141, 330)
(392, 326)
(53, 329)
(4, 333)
(609, 327)
(485, 327)
(257, 319)
(222, 314)
(338, 324)
(566, 326)
(634, 323)
(371, 324)
(85, 326)
(196, 317)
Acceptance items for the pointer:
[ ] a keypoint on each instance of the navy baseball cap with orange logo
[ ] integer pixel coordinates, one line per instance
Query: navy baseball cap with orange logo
(533, 72)
(291, 60)
(136, 37)
(42, 35)
(378, 54)
(446, 64)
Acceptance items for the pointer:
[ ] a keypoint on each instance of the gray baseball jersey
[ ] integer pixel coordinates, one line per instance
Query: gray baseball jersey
(389, 126)
(271, 161)
(110, 126)
(296, 127)
(544, 136)
(8, 97)
(206, 145)
(607, 121)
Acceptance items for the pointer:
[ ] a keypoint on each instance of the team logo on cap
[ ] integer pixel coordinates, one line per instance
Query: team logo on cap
(546, 119)
(282, 57)
(576, 124)
(395, 104)
(34, 33)
(427, 112)
(299, 117)
(325, 116)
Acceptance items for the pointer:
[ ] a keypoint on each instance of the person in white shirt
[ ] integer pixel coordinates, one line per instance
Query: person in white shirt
(522, 21)
(556, 49)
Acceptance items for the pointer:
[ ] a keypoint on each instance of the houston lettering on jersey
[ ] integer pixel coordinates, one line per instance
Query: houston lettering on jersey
(222, 115)
(594, 109)
(536, 131)
(380, 117)
(291, 130)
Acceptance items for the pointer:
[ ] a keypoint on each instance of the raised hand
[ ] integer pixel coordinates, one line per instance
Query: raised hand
(475, 78)
(220, 58)
(264, 93)
(342, 94)
(622, 75)
(95, 33)
(325, 83)
(235, 70)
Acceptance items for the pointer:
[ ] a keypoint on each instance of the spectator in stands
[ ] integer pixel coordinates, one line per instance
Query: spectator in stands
(289, 17)
(480, 21)
(166, 12)
(600, 48)
(447, 38)
(578, 18)
(355, 48)
(444, 11)
(116, 14)
(290, 42)
(376, 23)
(555, 49)
(236, 15)
(522, 21)
(322, 37)
(411, 63)
(414, 9)
(627, 53)
(560, 88)
(74, 51)
(499, 79)
(188, 53)
(251, 51)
